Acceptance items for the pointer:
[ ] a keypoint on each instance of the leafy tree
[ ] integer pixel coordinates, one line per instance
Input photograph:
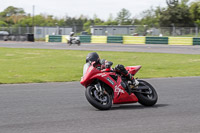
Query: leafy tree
(39, 20)
(123, 17)
(110, 21)
(150, 17)
(195, 12)
(61, 22)
(97, 21)
(86, 26)
(2, 23)
(9, 11)
(178, 15)
(12, 15)
(26, 21)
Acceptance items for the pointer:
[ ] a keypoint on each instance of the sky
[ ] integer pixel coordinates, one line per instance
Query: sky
(74, 8)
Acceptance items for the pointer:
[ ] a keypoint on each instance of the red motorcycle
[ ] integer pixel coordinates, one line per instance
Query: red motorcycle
(106, 87)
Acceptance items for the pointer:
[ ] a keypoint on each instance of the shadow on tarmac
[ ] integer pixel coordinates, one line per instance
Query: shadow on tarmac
(129, 107)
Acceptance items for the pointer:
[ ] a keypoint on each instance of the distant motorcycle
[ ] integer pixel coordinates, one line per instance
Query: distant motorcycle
(106, 87)
(73, 39)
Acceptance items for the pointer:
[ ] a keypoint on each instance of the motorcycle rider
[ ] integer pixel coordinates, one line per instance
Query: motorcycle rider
(91, 57)
(71, 37)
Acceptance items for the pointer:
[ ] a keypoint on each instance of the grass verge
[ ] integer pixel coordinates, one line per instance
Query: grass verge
(19, 65)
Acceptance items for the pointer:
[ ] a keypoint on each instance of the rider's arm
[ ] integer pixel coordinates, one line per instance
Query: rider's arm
(103, 62)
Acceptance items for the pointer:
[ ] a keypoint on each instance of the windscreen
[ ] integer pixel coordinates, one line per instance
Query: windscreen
(85, 68)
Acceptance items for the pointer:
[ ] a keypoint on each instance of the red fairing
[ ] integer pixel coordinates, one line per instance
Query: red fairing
(133, 69)
(120, 94)
(87, 78)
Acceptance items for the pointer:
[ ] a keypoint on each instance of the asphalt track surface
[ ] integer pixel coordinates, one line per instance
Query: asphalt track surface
(107, 47)
(63, 108)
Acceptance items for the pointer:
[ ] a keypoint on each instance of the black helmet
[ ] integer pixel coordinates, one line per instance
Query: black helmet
(92, 57)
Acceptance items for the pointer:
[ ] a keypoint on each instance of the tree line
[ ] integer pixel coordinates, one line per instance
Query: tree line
(183, 14)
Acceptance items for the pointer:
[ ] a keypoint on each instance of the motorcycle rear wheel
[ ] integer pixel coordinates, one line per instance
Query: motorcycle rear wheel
(104, 103)
(144, 99)
(79, 43)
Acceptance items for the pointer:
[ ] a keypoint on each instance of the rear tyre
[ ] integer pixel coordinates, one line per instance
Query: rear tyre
(147, 99)
(79, 43)
(103, 102)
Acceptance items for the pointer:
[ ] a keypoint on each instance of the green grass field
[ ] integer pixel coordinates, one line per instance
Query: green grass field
(19, 65)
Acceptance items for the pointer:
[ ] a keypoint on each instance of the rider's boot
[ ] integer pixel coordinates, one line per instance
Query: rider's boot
(133, 82)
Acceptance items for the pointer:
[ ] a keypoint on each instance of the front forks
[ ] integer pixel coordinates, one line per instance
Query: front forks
(100, 93)
(99, 88)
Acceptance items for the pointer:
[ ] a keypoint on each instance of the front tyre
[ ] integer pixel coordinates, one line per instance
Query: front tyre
(101, 102)
(147, 97)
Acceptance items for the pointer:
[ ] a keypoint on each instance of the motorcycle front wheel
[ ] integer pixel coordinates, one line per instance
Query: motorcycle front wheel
(147, 97)
(101, 102)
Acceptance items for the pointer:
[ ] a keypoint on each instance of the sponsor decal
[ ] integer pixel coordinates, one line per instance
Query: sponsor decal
(118, 90)
(110, 80)
(102, 74)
